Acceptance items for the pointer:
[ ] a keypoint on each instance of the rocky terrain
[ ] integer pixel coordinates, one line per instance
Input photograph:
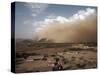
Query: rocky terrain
(41, 57)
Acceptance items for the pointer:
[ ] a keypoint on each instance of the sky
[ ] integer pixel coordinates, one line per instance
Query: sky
(31, 17)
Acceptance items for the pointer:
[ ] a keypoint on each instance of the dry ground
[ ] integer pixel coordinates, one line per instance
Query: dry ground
(73, 57)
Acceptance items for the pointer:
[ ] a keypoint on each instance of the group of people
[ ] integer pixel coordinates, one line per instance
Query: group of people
(57, 65)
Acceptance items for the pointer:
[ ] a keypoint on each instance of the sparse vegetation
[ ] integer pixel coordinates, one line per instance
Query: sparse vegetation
(53, 53)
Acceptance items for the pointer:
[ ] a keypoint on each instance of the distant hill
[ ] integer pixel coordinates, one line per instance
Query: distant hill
(44, 40)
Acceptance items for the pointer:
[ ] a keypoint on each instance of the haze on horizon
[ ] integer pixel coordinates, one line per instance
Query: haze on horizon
(56, 23)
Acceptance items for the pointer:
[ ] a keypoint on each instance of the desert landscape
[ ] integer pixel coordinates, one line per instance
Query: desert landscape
(54, 37)
(40, 57)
